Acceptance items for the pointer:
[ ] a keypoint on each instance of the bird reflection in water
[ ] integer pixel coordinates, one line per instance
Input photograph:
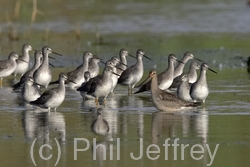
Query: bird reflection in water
(105, 127)
(100, 125)
(180, 125)
(39, 124)
(188, 127)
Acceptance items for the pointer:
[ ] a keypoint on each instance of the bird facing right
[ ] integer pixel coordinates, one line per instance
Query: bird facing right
(38, 58)
(132, 75)
(199, 90)
(43, 74)
(7, 67)
(22, 66)
(54, 97)
(30, 91)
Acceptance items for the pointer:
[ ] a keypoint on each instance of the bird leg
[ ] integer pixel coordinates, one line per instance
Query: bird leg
(203, 103)
(112, 94)
(104, 101)
(96, 101)
(1, 81)
(131, 91)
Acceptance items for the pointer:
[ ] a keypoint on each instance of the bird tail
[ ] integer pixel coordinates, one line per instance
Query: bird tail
(139, 91)
(144, 88)
(33, 102)
(17, 86)
(81, 88)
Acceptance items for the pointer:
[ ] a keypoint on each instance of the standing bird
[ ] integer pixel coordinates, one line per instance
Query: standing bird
(183, 89)
(83, 94)
(54, 97)
(43, 74)
(100, 126)
(165, 101)
(100, 86)
(123, 65)
(77, 75)
(7, 67)
(199, 90)
(113, 63)
(93, 67)
(179, 68)
(38, 58)
(165, 78)
(23, 66)
(132, 75)
(30, 91)
(192, 75)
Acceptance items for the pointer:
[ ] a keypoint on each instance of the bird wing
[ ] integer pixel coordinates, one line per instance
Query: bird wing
(174, 100)
(92, 87)
(43, 98)
(3, 65)
(176, 82)
(167, 96)
(73, 74)
(144, 87)
(124, 76)
(89, 85)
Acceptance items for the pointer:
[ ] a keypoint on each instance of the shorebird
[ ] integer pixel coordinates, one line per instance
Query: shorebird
(179, 68)
(84, 94)
(22, 66)
(93, 67)
(165, 101)
(30, 91)
(77, 75)
(100, 125)
(192, 75)
(100, 86)
(165, 78)
(199, 90)
(38, 58)
(113, 63)
(114, 78)
(54, 97)
(7, 67)
(43, 75)
(183, 89)
(132, 75)
(123, 65)
(117, 62)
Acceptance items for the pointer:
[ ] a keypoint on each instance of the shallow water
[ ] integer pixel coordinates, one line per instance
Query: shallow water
(216, 32)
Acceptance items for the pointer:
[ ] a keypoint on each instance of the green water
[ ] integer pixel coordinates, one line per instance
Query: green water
(219, 36)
